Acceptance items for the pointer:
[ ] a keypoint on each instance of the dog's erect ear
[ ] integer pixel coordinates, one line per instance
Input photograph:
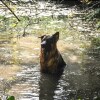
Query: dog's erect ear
(56, 36)
(41, 36)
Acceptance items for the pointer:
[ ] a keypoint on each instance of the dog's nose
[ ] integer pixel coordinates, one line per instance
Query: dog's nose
(43, 43)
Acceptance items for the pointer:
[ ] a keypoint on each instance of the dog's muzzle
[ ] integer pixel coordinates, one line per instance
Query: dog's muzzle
(43, 44)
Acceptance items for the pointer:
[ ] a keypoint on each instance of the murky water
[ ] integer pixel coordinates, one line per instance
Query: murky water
(73, 84)
(79, 81)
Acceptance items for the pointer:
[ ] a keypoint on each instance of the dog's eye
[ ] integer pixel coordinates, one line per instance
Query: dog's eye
(49, 40)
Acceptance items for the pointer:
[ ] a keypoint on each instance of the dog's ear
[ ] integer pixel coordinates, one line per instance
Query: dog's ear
(41, 36)
(56, 36)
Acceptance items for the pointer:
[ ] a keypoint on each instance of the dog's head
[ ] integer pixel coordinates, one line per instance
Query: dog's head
(48, 42)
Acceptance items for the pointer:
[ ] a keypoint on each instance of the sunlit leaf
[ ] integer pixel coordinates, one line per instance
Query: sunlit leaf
(13, 25)
(11, 98)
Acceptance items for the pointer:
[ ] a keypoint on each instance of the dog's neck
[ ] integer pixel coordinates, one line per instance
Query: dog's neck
(46, 55)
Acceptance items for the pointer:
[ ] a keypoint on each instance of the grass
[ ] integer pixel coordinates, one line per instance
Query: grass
(8, 72)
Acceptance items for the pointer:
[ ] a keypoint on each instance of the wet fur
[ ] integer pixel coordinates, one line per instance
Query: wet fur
(51, 60)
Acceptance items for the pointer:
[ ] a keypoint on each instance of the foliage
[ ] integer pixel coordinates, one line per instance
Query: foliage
(86, 1)
(98, 25)
(7, 97)
(94, 17)
(11, 98)
(94, 14)
(96, 42)
(94, 50)
(97, 98)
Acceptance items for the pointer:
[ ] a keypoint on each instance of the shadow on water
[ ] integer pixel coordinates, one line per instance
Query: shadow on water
(91, 63)
(48, 85)
(91, 69)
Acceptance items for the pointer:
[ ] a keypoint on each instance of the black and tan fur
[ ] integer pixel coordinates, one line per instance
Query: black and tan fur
(51, 60)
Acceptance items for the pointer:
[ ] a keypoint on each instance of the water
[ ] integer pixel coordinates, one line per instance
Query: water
(73, 84)
(80, 79)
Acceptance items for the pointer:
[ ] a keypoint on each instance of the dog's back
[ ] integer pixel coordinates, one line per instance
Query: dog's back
(51, 60)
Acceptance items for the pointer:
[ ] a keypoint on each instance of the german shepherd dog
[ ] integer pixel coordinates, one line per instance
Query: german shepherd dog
(51, 60)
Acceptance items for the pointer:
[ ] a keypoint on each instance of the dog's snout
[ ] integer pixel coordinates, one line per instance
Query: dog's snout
(43, 43)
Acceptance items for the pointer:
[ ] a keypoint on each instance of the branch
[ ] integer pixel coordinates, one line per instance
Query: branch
(10, 9)
(92, 6)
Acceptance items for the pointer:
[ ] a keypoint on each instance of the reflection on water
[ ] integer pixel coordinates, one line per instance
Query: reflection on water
(71, 85)
(48, 85)
(28, 87)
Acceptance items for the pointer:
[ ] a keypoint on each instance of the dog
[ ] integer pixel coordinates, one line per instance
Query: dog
(51, 60)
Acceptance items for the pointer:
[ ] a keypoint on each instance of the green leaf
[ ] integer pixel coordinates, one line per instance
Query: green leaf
(11, 98)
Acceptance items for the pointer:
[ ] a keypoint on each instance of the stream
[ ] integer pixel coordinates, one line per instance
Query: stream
(73, 84)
